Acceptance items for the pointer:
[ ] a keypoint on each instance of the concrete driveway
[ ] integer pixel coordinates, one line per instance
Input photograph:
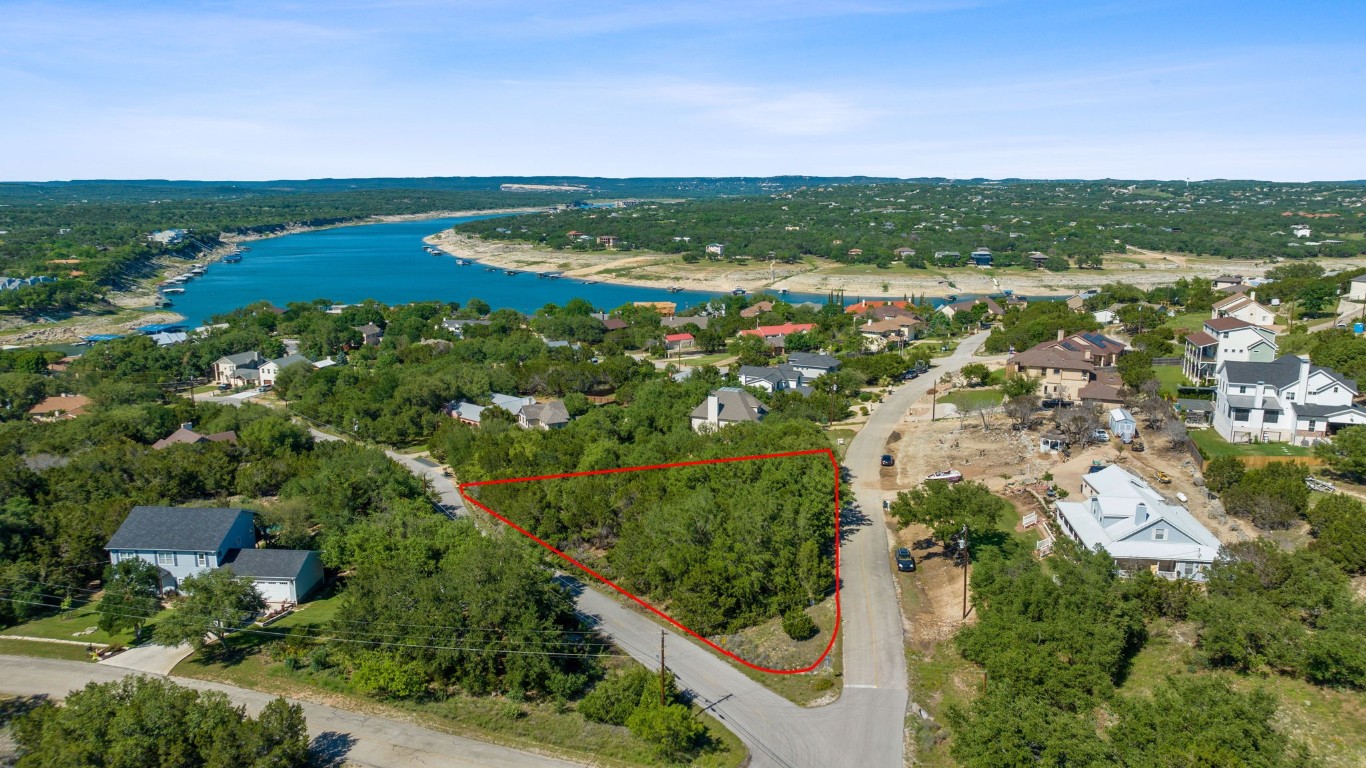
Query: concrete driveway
(151, 658)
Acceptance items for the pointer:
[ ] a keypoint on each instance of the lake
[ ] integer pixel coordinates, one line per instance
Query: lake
(386, 262)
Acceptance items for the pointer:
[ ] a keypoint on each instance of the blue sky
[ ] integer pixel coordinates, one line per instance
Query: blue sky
(961, 88)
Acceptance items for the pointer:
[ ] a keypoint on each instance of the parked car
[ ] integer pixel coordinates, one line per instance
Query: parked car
(904, 560)
(888, 460)
(1100, 436)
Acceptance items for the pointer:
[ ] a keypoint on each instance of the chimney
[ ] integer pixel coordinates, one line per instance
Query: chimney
(1302, 391)
(713, 409)
(1261, 394)
(1061, 334)
(1252, 295)
(1140, 514)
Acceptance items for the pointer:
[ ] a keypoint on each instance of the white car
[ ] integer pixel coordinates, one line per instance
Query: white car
(1100, 436)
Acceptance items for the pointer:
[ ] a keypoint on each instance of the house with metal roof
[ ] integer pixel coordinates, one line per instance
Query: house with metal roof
(770, 378)
(727, 406)
(1120, 513)
(812, 365)
(1286, 400)
(1224, 339)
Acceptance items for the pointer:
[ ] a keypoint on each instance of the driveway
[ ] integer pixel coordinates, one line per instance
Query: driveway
(151, 658)
(344, 738)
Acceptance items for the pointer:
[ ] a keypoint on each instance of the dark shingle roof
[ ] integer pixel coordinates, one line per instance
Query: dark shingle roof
(810, 360)
(267, 563)
(186, 529)
(1279, 373)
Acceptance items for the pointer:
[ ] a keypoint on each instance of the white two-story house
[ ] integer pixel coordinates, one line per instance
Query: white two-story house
(1243, 306)
(1223, 339)
(1124, 516)
(1285, 400)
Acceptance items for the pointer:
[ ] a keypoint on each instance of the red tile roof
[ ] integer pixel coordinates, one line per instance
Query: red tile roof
(777, 330)
(679, 337)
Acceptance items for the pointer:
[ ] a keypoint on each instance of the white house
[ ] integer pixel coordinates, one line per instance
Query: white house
(1243, 306)
(1222, 340)
(727, 406)
(1357, 290)
(1285, 400)
(1124, 516)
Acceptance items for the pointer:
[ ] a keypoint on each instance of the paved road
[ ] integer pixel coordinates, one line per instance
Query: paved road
(365, 740)
(153, 658)
(865, 727)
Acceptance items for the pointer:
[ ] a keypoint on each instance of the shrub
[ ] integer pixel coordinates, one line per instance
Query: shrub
(798, 625)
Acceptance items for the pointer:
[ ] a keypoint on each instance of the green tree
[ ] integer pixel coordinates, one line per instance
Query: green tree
(132, 595)
(1346, 453)
(275, 436)
(216, 603)
(946, 508)
(671, 729)
(1136, 367)
(149, 721)
(977, 373)
(1223, 472)
(1020, 385)
(1338, 522)
(798, 625)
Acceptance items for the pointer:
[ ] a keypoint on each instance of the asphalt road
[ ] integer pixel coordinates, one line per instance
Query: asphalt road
(865, 726)
(348, 738)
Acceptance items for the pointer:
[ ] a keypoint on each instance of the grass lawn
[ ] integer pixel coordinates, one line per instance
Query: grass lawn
(62, 651)
(1212, 445)
(1327, 720)
(68, 625)
(1171, 377)
(847, 435)
(1190, 321)
(973, 399)
(767, 645)
(540, 726)
(712, 359)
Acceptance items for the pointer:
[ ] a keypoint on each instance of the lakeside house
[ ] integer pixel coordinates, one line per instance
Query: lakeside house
(1225, 339)
(1285, 400)
(756, 309)
(679, 342)
(727, 406)
(680, 322)
(994, 309)
(188, 541)
(457, 326)
(371, 334)
(248, 369)
(775, 336)
(1067, 364)
(1121, 514)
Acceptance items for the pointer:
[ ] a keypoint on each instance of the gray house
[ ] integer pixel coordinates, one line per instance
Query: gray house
(812, 366)
(187, 541)
(181, 541)
(773, 378)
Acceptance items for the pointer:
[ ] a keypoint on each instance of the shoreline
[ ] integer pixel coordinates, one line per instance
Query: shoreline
(114, 318)
(648, 269)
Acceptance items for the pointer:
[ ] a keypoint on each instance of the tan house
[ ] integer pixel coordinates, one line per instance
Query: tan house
(756, 309)
(1076, 303)
(1244, 307)
(1068, 364)
(60, 407)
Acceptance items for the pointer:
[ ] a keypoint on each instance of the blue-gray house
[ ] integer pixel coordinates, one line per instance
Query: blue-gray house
(186, 541)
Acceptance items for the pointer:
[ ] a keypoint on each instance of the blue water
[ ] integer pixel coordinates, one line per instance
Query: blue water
(386, 262)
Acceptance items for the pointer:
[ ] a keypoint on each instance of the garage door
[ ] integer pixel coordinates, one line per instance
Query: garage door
(273, 591)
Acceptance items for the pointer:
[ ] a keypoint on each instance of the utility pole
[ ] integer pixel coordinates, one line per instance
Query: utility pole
(934, 399)
(967, 561)
(662, 701)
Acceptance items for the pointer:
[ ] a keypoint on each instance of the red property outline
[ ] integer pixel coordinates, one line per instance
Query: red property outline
(813, 452)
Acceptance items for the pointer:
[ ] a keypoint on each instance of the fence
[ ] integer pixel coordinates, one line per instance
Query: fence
(1253, 462)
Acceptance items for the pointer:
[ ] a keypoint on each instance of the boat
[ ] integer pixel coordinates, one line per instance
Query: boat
(674, 289)
(738, 292)
(783, 291)
(511, 272)
(946, 476)
(172, 290)
(460, 262)
(490, 269)
(232, 258)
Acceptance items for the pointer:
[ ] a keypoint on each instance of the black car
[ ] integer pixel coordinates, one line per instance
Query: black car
(887, 460)
(904, 560)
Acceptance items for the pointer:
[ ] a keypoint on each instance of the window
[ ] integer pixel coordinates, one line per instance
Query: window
(201, 559)
(165, 558)
(1272, 417)
(1313, 425)
(1240, 414)
(1057, 371)
(1159, 534)
(1290, 397)
(1242, 390)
